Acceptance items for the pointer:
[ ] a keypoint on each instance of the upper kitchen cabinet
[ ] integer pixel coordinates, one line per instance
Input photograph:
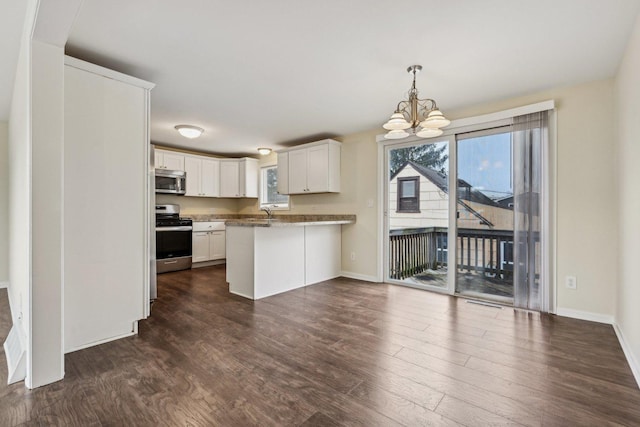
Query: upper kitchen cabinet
(239, 177)
(310, 168)
(169, 160)
(203, 176)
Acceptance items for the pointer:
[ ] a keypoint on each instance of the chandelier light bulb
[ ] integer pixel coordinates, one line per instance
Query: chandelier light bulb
(397, 121)
(435, 120)
(429, 132)
(396, 134)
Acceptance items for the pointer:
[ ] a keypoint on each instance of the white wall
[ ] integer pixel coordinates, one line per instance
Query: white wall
(20, 181)
(35, 187)
(627, 92)
(47, 141)
(4, 203)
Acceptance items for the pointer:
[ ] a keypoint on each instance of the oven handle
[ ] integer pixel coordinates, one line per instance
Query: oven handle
(181, 228)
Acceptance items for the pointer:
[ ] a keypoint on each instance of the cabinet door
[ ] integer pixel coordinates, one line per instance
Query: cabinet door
(173, 161)
(249, 178)
(217, 245)
(318, 169)
(192, 166)
(229, 179)
(298, 171)
(209, 178)
(283, 173)
(200, 246)
(158, 159)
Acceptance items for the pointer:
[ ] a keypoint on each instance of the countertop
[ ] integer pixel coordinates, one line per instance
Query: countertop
(277, 220)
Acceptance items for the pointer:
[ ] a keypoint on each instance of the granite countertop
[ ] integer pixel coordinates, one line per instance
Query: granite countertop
(277, 220)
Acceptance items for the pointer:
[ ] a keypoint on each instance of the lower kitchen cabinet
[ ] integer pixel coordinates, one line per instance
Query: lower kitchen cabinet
(209, 241)
(264, 261)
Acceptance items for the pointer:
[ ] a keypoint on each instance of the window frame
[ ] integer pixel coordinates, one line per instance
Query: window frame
(415, 207)
(262, 192)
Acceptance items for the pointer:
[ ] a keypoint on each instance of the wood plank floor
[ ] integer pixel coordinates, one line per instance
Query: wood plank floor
(343, 352)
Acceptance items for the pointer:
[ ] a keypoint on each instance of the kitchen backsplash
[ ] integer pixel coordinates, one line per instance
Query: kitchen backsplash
(199, 205)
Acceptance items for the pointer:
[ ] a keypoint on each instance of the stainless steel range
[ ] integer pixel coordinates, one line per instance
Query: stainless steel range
(173, 239)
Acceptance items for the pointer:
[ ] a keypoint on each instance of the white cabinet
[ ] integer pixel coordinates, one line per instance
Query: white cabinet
(264, 261)
(169, 160)
(209, 241)
(217, 245)
(297, 171)
(200, 246)
(106, 149)
(229, 178)
(202, 176)
(310, 168)
(239, 177)
(283, 173)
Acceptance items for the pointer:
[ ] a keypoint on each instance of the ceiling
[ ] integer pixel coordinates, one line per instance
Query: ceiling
(258, 73)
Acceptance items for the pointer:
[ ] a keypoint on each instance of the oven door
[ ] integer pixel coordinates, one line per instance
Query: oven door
(173, 242)
(173, 248)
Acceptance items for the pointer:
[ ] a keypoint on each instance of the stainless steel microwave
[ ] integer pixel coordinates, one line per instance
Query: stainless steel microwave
(172, 182)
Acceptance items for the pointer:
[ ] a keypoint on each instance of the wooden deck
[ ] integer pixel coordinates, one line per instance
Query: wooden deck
(343, 352)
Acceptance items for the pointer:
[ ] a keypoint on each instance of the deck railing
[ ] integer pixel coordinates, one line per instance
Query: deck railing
(415, 250)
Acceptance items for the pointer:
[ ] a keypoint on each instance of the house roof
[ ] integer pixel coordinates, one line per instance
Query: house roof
(465, 190)
(441, 181)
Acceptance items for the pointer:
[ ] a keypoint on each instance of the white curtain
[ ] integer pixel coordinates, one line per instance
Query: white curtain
(530, 136)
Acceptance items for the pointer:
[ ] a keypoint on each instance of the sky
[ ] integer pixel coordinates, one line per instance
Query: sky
(485, 163)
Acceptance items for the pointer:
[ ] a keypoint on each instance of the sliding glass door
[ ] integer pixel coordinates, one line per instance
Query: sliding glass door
(464, 213)
(485, 215)
(418, 214)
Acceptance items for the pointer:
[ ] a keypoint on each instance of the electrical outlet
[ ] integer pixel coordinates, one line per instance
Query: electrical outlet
(571, 282)
(353, 256)
(370, 203)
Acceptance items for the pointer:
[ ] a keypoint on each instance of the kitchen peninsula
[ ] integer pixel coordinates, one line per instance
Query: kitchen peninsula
(270, 256)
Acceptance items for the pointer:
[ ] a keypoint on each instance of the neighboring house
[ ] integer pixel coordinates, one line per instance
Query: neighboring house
(419, 197)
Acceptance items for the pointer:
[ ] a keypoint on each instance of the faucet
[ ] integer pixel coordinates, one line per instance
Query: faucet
(269, 212)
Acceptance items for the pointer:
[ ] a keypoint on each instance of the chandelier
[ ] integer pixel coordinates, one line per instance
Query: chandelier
(420, 115)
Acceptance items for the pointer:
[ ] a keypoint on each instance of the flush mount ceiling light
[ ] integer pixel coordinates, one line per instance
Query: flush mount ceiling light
(264, 151)
(189, 131)
(421, 116)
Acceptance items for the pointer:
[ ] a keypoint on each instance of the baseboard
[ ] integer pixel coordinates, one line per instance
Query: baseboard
(106, 340)
(631, 359)
(208, 263)
(585, 315)
(4, 285)
(358, 276)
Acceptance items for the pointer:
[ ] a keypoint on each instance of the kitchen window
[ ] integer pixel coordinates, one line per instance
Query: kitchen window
(269, 196)
(409, 195)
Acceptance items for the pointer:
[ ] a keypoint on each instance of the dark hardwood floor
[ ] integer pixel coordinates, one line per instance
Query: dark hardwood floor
(343, 352)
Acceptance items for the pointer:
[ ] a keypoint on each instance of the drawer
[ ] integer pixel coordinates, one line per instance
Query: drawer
(208, 226)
